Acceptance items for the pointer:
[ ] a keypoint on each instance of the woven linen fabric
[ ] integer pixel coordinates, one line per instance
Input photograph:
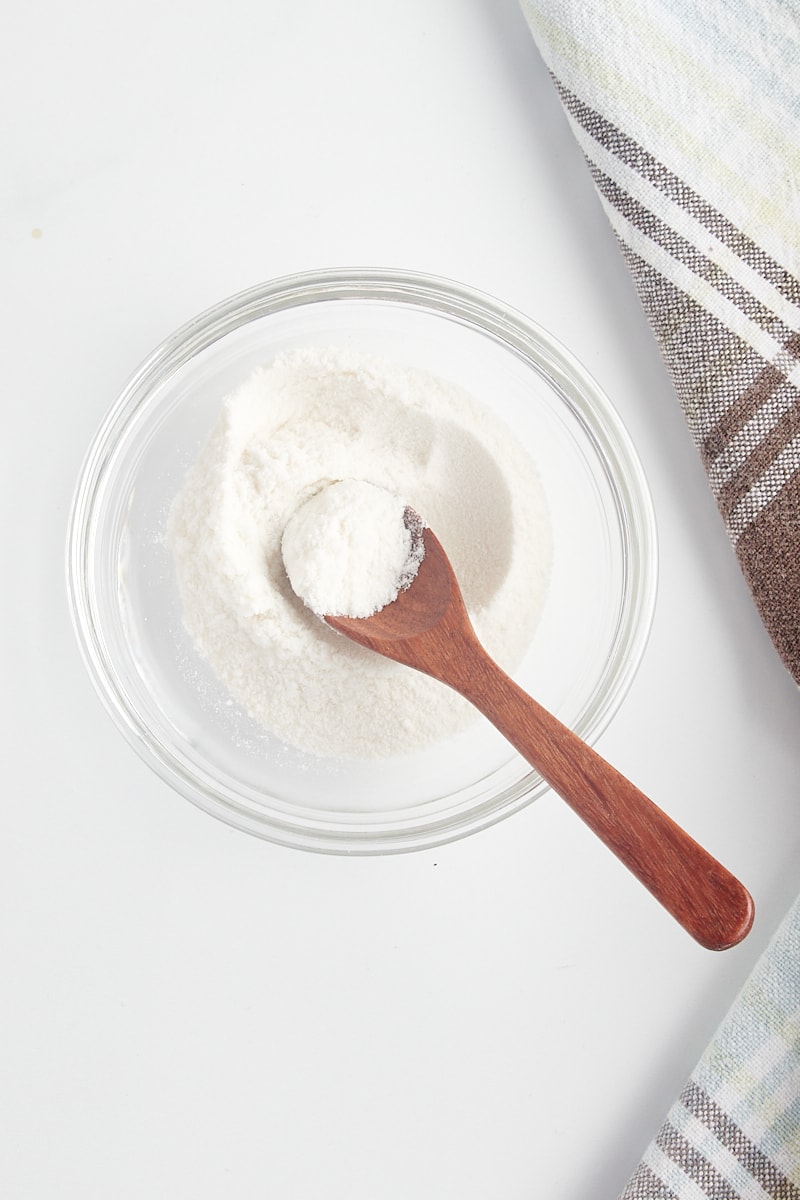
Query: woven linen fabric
(688, 114)
(734, 1131)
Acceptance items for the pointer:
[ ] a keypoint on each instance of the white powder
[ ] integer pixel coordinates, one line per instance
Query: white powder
(348, 551)
(313, 418)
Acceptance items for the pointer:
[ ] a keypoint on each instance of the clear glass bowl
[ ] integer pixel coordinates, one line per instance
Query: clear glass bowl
(124, 597)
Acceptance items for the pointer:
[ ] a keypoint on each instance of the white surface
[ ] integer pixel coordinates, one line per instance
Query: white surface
(188, 1012)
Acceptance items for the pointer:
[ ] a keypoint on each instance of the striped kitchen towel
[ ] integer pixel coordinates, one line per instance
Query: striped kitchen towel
(688, 114)
(734, 1131)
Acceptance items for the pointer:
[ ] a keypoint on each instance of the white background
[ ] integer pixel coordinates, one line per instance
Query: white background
(186, 1011)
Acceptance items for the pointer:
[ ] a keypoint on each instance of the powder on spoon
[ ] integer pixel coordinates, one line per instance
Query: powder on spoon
(349, 550)
(310, 419)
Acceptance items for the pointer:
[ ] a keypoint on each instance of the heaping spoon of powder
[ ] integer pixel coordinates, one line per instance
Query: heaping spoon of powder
(351, 548)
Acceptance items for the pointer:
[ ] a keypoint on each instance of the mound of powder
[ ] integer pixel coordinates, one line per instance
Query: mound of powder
(310, 419)
(348, 551)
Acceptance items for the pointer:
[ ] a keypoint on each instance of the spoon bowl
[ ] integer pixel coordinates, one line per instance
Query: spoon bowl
(427, 627)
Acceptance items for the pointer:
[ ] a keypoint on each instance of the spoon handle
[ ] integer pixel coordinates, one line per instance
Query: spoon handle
(699, 892)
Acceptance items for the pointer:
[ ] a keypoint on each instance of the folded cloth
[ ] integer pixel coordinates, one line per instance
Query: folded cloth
(734, 1131)
(688, 114)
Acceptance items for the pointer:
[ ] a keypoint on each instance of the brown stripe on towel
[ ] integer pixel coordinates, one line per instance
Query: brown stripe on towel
(645, 1185)
(633, 155)
(769, 554)
(686, 334)
(694, 1163)
(763, 448)
(739, 414)
(682, 250)
(728, 1133)
(708, 364)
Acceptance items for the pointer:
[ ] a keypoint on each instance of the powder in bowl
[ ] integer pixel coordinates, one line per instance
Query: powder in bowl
(310, 419)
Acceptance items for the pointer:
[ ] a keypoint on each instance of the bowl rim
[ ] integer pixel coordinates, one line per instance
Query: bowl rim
(393, 831)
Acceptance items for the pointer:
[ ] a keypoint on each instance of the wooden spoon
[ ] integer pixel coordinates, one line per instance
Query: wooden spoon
(427, 627)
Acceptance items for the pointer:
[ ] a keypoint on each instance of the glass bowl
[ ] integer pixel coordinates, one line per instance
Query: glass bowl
(124, 597)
